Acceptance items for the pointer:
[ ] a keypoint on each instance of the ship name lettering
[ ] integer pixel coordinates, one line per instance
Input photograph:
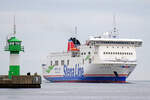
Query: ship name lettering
(73, 72)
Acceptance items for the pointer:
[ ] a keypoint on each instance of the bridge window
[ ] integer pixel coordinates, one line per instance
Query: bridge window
(132, 42)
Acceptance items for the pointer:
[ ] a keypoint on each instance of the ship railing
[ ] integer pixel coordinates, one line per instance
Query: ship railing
(59, 54)
(112, 61)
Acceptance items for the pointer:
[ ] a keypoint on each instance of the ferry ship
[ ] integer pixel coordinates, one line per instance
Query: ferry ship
(105, 58)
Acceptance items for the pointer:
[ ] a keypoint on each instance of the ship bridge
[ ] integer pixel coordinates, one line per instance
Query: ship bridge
(114, 41)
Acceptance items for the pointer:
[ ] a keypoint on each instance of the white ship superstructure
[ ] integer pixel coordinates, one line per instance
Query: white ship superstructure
(100, 59)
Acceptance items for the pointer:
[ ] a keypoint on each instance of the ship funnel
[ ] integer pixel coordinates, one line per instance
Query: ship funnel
(73, 43)
(70, 45)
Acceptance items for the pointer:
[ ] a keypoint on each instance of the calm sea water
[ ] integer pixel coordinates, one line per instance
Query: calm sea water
(135, 90)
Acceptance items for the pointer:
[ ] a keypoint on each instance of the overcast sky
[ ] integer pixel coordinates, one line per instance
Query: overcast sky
(45, 25)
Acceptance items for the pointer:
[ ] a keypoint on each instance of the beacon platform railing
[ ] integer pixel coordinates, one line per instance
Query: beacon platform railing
(7, 48)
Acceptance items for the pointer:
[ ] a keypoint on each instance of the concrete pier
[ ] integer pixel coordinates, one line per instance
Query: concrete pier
(22, 81)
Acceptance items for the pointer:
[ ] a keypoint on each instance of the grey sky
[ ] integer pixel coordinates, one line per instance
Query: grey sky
(45, 25)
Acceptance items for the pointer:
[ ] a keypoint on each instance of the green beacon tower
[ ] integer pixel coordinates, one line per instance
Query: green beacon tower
(14, 47)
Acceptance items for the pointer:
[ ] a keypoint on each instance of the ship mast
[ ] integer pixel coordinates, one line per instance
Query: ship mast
(114, 24)
(115, 33)
(75, 33)
(76, 30)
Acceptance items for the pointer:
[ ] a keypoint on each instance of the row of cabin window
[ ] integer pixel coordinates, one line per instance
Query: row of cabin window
(119, 53)
(113, 42)
(56, 62)
(84, 53)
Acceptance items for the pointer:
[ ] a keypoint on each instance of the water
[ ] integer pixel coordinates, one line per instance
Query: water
(135, 90)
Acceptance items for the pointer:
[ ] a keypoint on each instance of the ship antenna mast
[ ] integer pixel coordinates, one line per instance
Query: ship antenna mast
(115, 30)
(114, 23)
(75, 34)
(76, 30)
(14, 27)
